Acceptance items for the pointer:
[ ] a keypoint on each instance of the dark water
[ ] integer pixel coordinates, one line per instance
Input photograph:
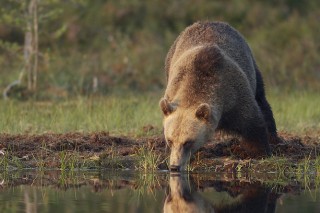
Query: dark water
(92, 192)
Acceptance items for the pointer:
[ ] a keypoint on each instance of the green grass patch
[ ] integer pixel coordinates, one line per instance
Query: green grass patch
(147, 159)
(116, 114)
(295, 111)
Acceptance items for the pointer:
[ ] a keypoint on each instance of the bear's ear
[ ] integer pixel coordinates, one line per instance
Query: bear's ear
(203, 112)
(166, 107)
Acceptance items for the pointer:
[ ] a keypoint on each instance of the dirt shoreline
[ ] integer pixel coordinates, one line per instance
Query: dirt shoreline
(100, 150)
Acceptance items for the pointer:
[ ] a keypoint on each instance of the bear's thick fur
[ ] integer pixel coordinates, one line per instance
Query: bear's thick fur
(213, 83)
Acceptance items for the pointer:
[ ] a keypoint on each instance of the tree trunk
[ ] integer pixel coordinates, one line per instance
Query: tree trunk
(31, 45)
(30, 50)
(35, 44)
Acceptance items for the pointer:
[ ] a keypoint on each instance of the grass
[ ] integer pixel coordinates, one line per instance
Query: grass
(9, 162)
(148, 159)
(110, 159)
(296, 112)
(118, 115)
(317, 165)
(65, 164)
(40, 163)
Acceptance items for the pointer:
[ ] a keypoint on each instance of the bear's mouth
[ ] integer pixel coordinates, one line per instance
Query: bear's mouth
(175, 168)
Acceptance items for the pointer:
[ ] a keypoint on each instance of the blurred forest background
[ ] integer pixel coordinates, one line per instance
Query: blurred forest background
(83, 47)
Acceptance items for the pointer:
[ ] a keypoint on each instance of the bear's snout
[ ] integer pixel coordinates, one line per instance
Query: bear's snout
(174, 168)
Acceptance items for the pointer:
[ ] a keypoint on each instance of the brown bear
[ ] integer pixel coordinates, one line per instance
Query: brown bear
(213, 83)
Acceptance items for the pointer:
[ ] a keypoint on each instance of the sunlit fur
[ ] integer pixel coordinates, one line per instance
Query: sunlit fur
(210, 69)
(182, 126)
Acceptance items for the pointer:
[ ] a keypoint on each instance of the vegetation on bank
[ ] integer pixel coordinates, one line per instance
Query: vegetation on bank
(137, 117)
(136, 114)
(100, 68)
(148, 156)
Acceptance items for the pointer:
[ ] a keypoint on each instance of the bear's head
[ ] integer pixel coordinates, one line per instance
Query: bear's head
(186, 130)
(183, 196)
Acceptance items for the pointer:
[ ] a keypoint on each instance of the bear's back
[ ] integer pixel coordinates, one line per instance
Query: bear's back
(221, 34)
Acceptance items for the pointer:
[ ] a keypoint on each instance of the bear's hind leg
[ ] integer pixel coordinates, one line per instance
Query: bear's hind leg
(266, 110)
(255, 138)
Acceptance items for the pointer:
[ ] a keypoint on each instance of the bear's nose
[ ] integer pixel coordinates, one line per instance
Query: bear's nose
(174, 168)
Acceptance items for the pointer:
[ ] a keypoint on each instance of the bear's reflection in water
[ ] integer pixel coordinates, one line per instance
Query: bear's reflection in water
(184, 196)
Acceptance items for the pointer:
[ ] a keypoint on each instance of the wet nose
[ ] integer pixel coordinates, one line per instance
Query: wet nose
(174, 168)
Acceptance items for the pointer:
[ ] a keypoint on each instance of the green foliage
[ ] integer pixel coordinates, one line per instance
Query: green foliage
(123, 44)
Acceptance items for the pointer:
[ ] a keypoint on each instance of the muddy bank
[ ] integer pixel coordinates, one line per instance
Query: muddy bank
(99, 150)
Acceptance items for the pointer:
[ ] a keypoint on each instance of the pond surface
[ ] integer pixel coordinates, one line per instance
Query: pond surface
(53, 191)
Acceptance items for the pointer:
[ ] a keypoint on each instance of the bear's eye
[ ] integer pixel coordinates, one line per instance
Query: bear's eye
(169, 142)
(188, 144)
